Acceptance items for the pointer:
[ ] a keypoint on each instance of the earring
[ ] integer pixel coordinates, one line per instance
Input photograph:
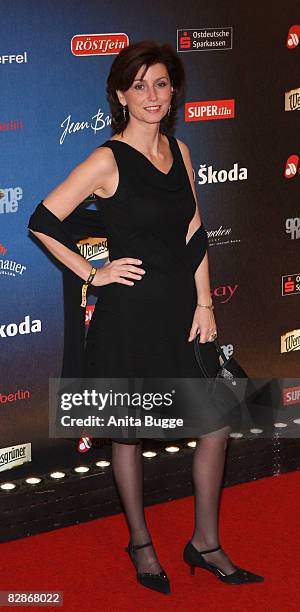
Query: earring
(169, 109)
(124, 111)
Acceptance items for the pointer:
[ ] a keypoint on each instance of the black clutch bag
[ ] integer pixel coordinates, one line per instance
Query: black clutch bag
(249, 402)
(227, 381)
(226, 368)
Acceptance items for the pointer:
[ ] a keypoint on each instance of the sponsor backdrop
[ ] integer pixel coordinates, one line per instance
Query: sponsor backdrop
(240, 122)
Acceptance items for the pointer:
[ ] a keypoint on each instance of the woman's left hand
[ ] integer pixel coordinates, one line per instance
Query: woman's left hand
(204, 324)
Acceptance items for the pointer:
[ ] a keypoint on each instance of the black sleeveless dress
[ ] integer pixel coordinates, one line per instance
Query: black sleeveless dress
(142, 330)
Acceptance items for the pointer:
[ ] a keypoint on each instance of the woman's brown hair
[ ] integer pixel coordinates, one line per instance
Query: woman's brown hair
(124, 69)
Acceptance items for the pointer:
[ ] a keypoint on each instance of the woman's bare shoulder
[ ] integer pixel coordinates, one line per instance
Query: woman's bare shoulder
(104, 157)
(183, 148)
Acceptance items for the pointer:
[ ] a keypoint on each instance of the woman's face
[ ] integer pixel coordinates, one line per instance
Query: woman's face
(149, 99)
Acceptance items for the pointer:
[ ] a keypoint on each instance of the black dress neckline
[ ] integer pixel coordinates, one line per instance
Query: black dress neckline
(166, 174)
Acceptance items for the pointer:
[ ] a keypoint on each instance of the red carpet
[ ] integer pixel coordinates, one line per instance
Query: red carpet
(259, 529)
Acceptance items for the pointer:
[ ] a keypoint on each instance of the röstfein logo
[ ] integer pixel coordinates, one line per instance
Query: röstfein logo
(99, 44)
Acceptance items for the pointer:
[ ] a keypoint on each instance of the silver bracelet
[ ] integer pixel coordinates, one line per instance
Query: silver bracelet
(211, 307)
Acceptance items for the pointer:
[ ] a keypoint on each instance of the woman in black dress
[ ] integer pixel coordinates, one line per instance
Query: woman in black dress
(155, 290)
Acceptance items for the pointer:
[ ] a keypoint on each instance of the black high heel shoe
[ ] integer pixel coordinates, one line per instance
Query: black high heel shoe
(157, 582)
(194, 558)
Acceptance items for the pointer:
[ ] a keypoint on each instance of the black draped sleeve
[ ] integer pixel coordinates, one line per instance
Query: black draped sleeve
(196, 248)
(78, 225)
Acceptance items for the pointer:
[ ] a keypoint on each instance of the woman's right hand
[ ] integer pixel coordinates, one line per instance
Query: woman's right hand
(116, 270)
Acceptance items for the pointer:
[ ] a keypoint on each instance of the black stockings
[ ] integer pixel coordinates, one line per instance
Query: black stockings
(208, 467)
(207, 471)
(127, 465)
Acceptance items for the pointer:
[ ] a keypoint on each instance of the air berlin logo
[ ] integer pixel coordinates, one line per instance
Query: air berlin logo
(293, 37)
(208, 110)
(291, 166)
(99, 44)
